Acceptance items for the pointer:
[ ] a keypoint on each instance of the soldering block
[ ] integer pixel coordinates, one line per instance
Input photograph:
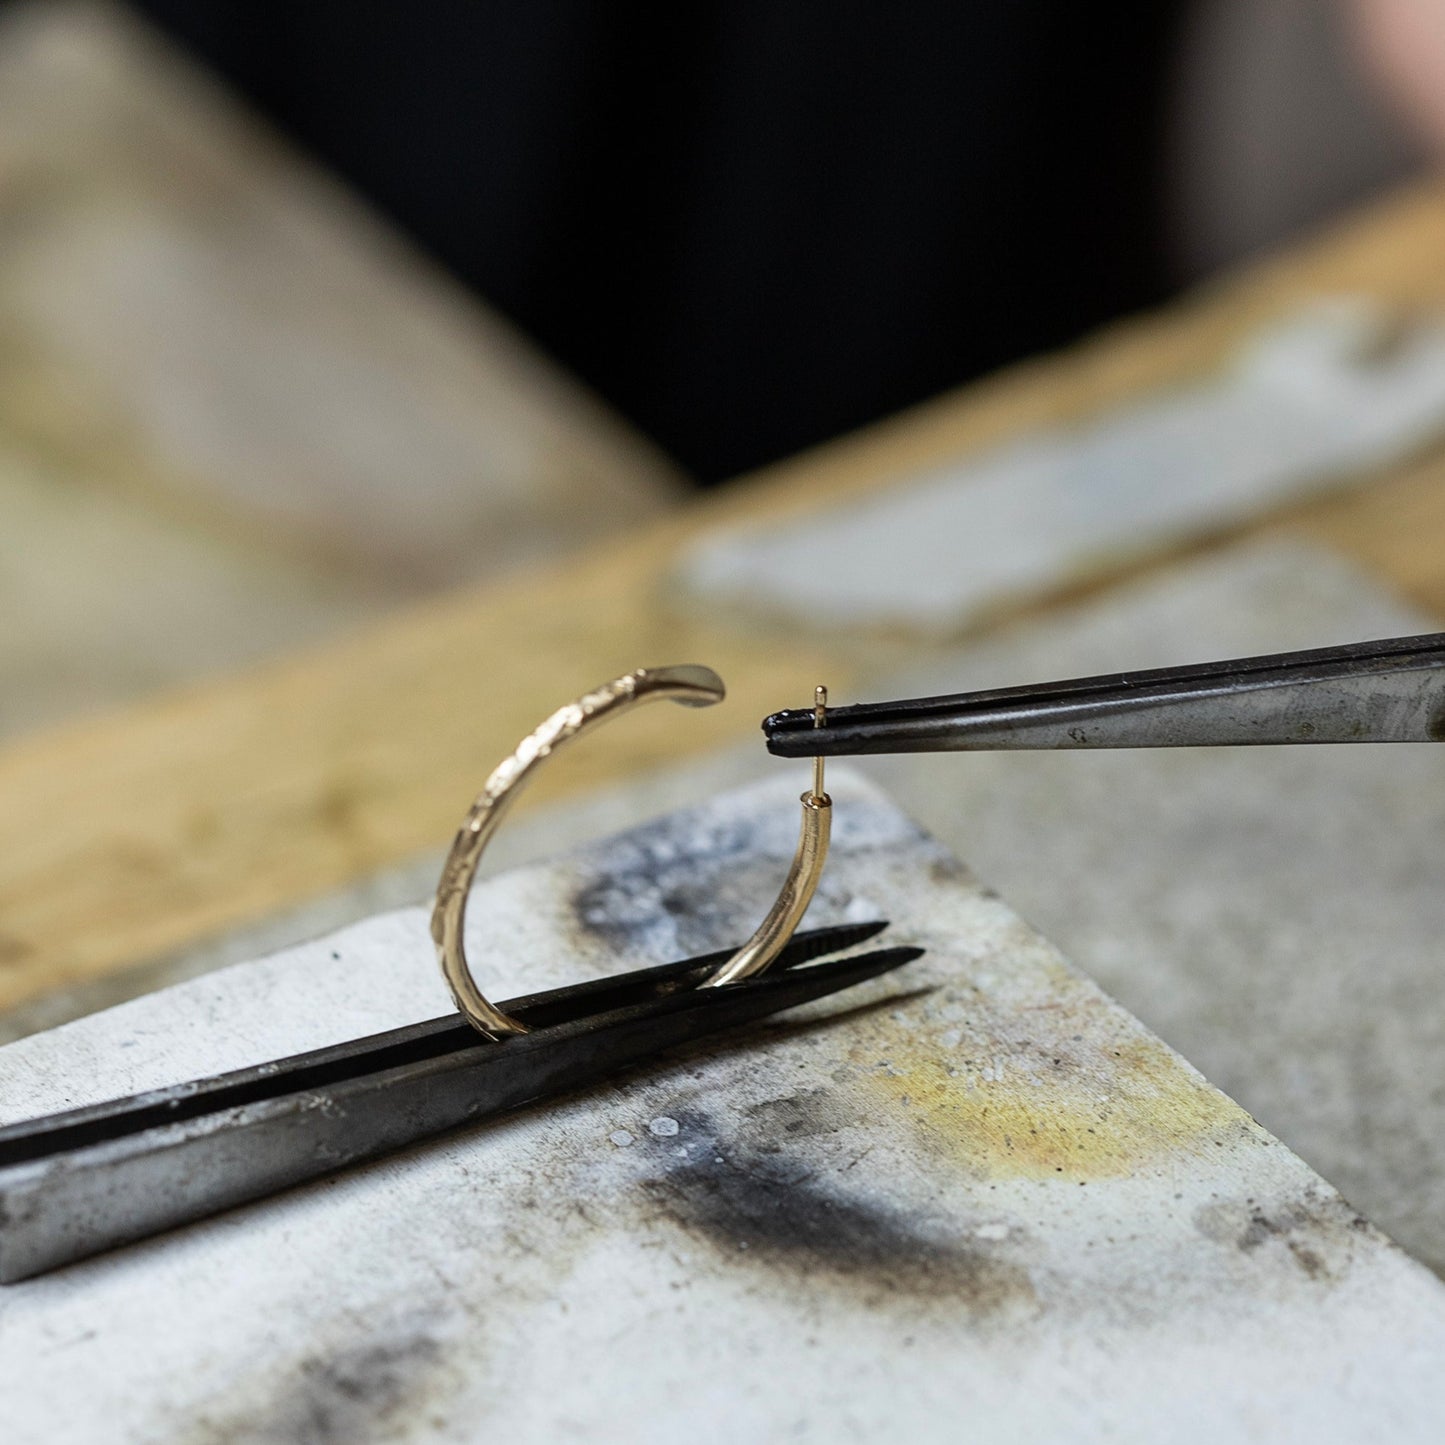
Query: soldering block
(975, 1197)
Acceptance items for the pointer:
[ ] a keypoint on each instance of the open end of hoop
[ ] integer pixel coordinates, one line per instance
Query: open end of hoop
(688, 683)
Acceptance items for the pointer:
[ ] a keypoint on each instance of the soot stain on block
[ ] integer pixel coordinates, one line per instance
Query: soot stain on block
(662, 882)
(1317, 1230)
(742, 1192)
(354, 1394)
(682, 882)
(796, 1116)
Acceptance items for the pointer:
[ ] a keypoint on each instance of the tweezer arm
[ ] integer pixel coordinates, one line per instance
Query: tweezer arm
(1370, 692)
(90, 1179)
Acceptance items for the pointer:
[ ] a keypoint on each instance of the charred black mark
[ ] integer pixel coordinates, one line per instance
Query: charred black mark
(660, 883)
(350, 1396)
(797, 1116)
(1317, 1229)
(747, 1197)
(947, 870)
(678, 882)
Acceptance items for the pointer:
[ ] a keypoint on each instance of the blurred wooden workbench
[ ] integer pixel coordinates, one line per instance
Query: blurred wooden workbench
(237, 412)
(132, 834)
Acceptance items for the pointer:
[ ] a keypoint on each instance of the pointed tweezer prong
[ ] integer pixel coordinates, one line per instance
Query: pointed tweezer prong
(78, 1183)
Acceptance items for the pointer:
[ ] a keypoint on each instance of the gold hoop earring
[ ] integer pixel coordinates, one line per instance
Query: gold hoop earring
(689, 685)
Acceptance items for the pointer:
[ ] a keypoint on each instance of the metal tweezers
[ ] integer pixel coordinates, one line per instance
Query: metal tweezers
(90, 1179)
(1368, 692)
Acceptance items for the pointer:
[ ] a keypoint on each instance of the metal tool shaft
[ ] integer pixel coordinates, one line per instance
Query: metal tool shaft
(1371, 692)
(75, 1184)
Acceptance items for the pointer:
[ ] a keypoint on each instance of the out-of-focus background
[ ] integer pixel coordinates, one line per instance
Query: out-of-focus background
(375, 378)
(314, 310)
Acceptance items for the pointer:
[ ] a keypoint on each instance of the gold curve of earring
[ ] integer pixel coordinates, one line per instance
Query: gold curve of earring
(688, 684)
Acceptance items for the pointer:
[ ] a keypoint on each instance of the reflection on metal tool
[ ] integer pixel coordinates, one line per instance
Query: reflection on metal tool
(88, 1180)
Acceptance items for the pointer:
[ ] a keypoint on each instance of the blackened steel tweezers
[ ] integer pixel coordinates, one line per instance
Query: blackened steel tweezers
(90, 1179)
(1368, 692)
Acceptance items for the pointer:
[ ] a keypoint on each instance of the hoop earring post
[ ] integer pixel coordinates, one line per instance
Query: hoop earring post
(801, 883)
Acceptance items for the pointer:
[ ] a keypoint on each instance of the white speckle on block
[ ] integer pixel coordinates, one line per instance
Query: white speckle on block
(991, 1231)
(664, 1126)
(621, 1138)
(950, 1040)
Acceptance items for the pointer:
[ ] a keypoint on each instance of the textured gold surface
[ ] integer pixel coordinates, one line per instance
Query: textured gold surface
(688, 684)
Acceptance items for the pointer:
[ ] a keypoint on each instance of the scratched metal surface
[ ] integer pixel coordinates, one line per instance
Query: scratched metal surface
(985, 1198)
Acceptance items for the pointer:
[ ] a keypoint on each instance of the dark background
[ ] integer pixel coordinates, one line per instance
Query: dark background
(750, 226)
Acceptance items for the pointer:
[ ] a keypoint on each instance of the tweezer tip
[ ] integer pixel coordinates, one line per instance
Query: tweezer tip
(832, 974)
(816, 942)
